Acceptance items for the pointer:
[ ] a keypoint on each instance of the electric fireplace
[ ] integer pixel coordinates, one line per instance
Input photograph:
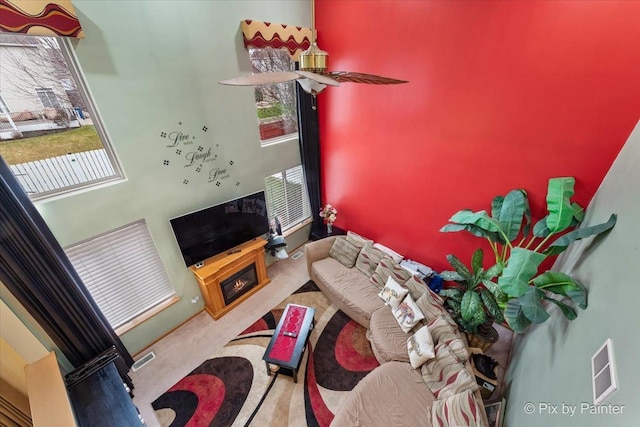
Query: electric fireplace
(239, 283)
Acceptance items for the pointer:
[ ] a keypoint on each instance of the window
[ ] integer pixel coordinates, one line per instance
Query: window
(123, 272)
(47, 97)
(3, 105)
(287, 197)
(276, 103)
(49, 132)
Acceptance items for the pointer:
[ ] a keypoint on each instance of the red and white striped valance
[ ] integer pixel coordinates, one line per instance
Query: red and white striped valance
(40, 17)
(278, 36)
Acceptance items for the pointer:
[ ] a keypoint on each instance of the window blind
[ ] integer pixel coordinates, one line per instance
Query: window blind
(123, 272)
(287, 197)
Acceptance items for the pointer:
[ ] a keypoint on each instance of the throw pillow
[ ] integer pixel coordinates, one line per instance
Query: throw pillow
(392, 293)
(368, 260)
(393, 254)
(420, 347)
(407, 314)
(430, 306)
(456, 345)
(357, 239)
(387, 268)
(461, 409)
(344, 251)
(445, 376)
(416, 286)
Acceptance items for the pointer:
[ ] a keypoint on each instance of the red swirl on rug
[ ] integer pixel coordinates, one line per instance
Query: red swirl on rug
(347, 355)
(210, 392)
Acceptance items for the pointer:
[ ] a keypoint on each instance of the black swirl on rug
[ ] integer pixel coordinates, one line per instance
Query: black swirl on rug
(211, 395)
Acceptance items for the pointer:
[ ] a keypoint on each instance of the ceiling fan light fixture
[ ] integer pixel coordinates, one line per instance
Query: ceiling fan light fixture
(313, 59)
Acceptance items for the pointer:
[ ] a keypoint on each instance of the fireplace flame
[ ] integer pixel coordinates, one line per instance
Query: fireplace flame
(239, 285)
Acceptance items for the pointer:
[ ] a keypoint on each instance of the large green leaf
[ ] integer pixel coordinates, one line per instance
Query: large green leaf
(559, 193)
(475, 230)
(453, 293)
(512, 213)
(492, 271)
(578, 212)
(532, 307)
(476, 261)
(563, 242)
(451, 276)
(496, 206)
(495, 290)
(480, 219)
(515, 317)
(540, 229)
(460, 268)
(562, 284)
(527, 214)
(470, 305)
(522, 266)
(492, 306)
(568, 312)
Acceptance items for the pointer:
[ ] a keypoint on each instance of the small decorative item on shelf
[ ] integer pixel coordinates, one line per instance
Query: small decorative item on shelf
(328, 214)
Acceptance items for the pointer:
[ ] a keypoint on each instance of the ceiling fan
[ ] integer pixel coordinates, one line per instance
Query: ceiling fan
(313, 74)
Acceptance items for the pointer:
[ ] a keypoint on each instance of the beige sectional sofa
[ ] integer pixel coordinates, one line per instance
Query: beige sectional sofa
(396, 394)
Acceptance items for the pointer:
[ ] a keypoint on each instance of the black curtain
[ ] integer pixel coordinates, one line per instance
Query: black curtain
(38, 273)
(309, 141)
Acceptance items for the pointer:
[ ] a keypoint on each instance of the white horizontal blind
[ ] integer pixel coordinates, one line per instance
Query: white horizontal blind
(123, 272)
(287, 197)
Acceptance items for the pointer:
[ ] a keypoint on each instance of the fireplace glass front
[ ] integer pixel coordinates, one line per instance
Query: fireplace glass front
(239, 283)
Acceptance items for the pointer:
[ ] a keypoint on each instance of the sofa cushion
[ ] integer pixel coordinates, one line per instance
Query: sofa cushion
(392, 294)
(432, 308)
(388, 268)
(445, 376)
(392, 254)
(440, 327)
(368, 259)
(461, 409)
(420, 347)
(344, 251)
(457, 346)
(357, 239)
(388, 341)
(347, 288)
(407, 314)
(392, 395)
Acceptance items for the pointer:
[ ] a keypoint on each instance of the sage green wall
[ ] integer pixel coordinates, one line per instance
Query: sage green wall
(149, 65)
(552, 363)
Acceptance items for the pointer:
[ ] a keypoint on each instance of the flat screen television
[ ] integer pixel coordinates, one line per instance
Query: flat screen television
(216, 229)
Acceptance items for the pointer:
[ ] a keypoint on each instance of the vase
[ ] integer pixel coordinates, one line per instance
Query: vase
(329, 229)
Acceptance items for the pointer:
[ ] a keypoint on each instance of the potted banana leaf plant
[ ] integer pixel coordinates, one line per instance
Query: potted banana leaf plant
(473, 298)
(520, 247)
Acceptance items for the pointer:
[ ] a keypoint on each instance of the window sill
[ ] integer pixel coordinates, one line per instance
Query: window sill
(278, 139)
(296, 227)
(121, 330)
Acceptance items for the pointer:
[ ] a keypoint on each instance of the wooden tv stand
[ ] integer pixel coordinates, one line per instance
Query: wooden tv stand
(220, 267)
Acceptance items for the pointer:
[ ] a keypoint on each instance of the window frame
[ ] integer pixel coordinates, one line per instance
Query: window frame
(288, 136)
(116, 238)
(305, 203)
(68, 53)
(47, 93)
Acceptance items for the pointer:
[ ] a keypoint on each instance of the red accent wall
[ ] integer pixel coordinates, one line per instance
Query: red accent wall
(502, 95)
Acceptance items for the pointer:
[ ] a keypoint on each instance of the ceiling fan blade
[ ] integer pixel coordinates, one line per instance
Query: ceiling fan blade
(262, 79)
(347, 76)
(320, 78)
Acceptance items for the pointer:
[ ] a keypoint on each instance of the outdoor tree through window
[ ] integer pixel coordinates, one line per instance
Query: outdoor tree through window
(49, 134)
(276, 103)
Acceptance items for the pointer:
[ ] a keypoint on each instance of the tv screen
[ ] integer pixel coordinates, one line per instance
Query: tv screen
(211, 231)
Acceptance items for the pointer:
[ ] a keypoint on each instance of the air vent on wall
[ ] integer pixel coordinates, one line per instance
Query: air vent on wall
(603, 372)
(143, 361)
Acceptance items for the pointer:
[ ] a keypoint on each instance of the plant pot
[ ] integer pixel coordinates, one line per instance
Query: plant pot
(483, 340)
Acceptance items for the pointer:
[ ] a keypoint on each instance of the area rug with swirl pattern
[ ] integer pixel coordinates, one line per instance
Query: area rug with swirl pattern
(232, 388)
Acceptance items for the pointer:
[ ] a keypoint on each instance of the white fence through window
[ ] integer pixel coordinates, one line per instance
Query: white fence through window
(64, 171)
